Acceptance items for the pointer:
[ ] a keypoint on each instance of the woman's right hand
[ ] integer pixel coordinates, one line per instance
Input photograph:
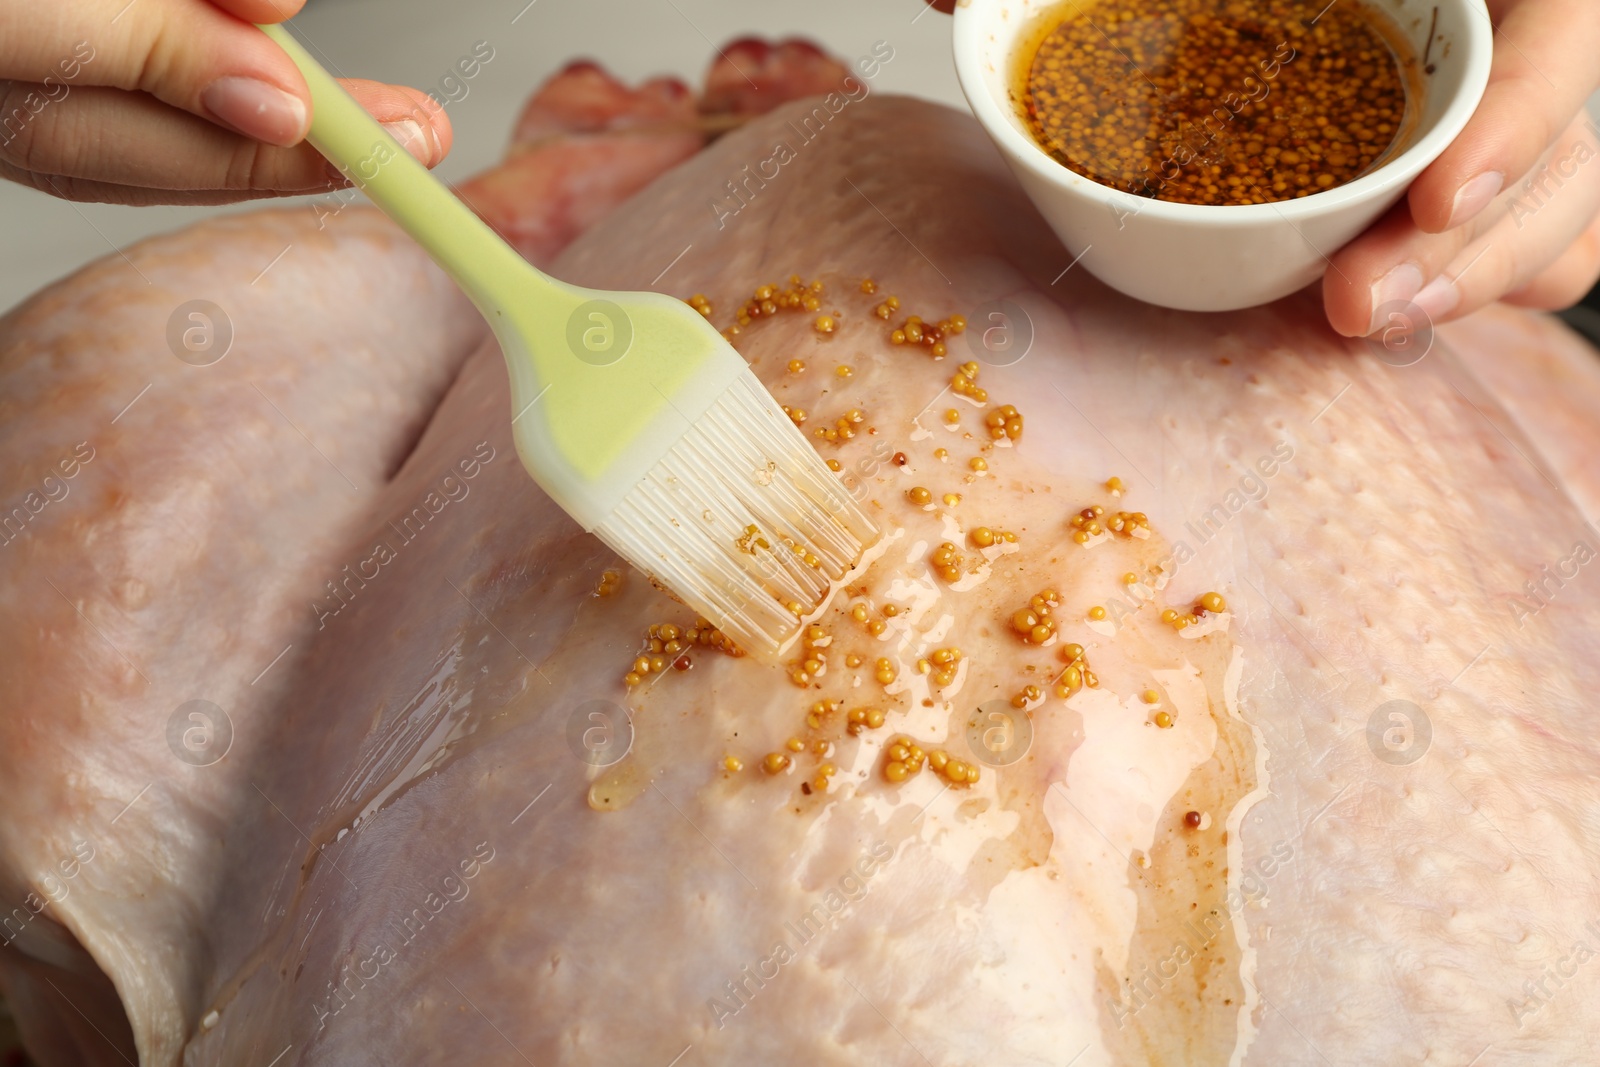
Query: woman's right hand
(172, 101)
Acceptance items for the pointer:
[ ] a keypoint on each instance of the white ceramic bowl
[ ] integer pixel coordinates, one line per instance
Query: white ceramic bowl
(1202, 258)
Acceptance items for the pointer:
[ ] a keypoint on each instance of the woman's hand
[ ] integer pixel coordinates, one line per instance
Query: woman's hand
(1511, 210)
(172, 101)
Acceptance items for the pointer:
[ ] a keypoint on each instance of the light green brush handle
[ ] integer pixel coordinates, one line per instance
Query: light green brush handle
(356, 143)
(601, 382)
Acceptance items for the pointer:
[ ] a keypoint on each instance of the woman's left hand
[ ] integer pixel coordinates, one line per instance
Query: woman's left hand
(1511, 210)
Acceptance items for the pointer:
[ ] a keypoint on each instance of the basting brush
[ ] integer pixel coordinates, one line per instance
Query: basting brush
(629, 409)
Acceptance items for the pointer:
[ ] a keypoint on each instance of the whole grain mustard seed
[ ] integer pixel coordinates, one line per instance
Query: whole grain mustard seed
(1212, 101)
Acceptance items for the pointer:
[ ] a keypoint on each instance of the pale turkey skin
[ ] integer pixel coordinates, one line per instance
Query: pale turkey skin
(1396, 910)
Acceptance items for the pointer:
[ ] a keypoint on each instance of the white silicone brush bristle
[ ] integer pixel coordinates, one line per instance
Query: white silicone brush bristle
(688, 523)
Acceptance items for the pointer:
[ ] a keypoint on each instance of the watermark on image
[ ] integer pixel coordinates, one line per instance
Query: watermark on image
(54, 886)
(53, 489)
(1196, 934)
(1404, 334)
(999, 333)
(199, 733)
(1541, 991)
(999, 734)
(199, 332)
(599, 333)
(1256, 90)
(746, 185)
(1251, 488)
(1399, 733)
(740, 991)
(599, 732)
(407, 527)
(853, 478)
(400, 932)
(453, 85)
(53, 89)
(1540, 188)
(451, 88)
(1542, 589)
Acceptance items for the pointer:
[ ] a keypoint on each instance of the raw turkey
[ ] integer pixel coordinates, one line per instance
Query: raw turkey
(319, 744)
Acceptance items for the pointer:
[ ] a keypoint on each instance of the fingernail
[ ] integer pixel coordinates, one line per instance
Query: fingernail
(257, 109)
(409, 133)
(1474, 196)
(1398, 286)
(1438, 298)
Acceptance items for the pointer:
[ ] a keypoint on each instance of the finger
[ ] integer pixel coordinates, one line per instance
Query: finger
(1530, 238)
(130, 139)
(187, 53)
(265, 11)
(89, 191)
(1390, 262)
(1543, 71)
(1530, 224)
(1567, 280)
